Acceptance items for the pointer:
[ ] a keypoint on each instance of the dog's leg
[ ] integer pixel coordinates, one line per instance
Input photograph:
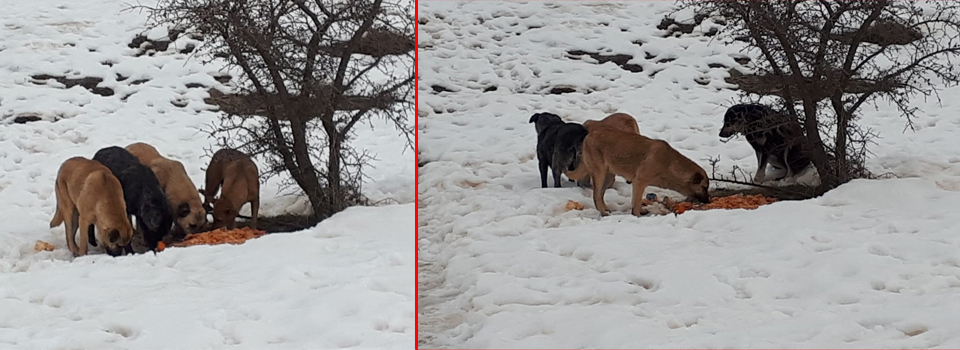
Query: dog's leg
(639, 185)
(84, 235)
(762, 159)
(71, 230)
(786, 164)
(543, 174)
(599, 178)
(254, 212)
(585, 183)
(556, 175)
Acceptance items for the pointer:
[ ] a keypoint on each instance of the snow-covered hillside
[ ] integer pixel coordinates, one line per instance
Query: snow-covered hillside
(344, 283)
(504, 265)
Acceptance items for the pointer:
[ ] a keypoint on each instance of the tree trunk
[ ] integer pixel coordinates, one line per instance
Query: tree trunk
(818, 155)
(840, 147)
(337, 198)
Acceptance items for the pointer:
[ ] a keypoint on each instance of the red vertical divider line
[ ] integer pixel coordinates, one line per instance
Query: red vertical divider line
(416, 171)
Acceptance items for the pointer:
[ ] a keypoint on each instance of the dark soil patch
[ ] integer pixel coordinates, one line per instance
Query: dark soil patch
(717, 66)
(439, 89)
(282, 223)
(23, 119)
(561, 90)
(90, 83)
(195, 86)
(149, 47)
(786, 193)
(139, 81)
(223, 78)
(675, 28)
(490, 88)
(618, 59)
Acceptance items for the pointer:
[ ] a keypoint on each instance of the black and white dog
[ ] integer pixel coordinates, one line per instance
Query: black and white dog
(558, 144)
(776, 138)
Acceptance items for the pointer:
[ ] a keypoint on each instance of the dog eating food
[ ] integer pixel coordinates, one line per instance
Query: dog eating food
(176, 185)
(220, 236)
(240, 179)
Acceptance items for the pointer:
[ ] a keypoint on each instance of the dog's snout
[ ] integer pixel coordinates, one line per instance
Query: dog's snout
(702, 198)
(726, 132)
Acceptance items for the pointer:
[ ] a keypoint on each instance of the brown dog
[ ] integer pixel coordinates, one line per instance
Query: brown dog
(89, 194)
(617, 121)
(176, 185)
(644, 161)
(238, 175)
(620, 121)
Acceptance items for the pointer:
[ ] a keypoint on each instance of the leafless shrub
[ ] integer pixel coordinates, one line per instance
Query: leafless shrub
(825, 59)
(311, 71)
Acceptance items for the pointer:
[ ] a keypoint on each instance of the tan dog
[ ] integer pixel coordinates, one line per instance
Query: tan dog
(644, 161)
(89, 194)
(176, 185)
(241, 184)
(620, 121)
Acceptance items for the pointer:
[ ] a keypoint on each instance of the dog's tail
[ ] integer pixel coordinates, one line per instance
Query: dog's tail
(580, 173)
(57, 218)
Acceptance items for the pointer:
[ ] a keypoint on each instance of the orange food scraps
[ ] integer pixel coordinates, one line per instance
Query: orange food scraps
(220, 236)
(161, 246)
(737, 201)
(574, 205)
(43, 246)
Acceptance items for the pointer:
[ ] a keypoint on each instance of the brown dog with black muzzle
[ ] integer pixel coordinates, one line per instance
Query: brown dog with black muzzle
(238, 175)
(646, 162)
(176, 185)
(88, 194)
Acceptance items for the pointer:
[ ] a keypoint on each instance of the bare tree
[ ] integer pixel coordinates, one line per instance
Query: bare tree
(825, 59)
(311, 71)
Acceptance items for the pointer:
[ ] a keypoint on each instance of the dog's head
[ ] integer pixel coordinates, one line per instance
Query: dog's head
(157, 218)
(545, 120)
(224, 213)
(191, 217)
(739, 116)
(697, 187)
(115, 236)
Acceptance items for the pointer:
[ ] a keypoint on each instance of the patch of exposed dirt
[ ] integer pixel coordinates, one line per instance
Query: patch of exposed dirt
(618, 59)
(90, 83)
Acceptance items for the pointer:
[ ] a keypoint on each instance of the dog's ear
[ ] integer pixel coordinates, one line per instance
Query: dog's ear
(697, 178)
(535, 117)
(183, 210)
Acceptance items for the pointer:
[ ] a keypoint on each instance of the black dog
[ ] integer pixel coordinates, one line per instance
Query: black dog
(557, 145)
(141, 192)
(775, 137)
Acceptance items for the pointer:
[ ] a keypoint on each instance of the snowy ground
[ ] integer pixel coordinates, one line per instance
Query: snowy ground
(344, 283)
(873, 264)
